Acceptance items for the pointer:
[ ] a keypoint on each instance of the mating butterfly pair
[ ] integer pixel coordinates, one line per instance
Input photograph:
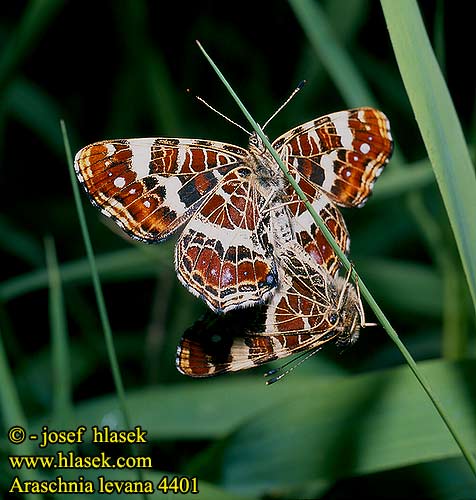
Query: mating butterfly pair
(243, 222)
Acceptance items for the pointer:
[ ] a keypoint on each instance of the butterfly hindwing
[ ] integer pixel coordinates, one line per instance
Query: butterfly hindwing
(224, 269)
(224, 254)
(308, 234)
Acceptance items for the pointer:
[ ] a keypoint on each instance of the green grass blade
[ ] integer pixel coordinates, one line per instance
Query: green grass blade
(37, 110)
(413, 285)
(143, 56)
(347, 79)
(346, 27)
(36, 17)
(62, 389)
(403, 180)
(12, 415)
(19, 243)
(439, 126)
(97, 285)
(453, 290)
(363, 288)
(116, 373)
(391, 427)
(131, 263)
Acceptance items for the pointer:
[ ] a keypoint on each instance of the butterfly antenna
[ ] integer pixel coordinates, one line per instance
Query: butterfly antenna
(295, 362)
(293, 93)
(222, 115)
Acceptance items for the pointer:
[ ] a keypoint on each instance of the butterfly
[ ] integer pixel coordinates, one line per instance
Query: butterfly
(310, 308)
(223, 196)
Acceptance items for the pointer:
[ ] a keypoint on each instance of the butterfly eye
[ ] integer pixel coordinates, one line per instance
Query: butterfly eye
(333, 319)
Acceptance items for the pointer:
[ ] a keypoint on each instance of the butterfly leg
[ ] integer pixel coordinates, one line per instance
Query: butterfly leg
(363, 323)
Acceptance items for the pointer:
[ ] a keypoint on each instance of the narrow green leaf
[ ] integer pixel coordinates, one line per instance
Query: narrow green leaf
(103, 315)
(415, 288)
(30, 105)
(36, 17)
(62, 390)
(341, 68)
(145, 58)
(439, 126)
(13, 416)
(357, 425)
(346, 27)
(18, 242)
(399, 181)
(131, 263)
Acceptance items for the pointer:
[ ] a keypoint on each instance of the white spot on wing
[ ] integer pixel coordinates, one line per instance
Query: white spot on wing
(364, 148)
(119, 182)
(226, 277)
(181, 153)
(141, 152)
(387, 129)
(327, 163)
(343, 130)
(172, 187)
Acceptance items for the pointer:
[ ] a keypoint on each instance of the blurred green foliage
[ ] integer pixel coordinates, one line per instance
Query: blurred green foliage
(345, 424)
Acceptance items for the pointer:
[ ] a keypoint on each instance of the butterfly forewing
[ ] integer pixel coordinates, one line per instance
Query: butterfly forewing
(150, 187)
(342, 153)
